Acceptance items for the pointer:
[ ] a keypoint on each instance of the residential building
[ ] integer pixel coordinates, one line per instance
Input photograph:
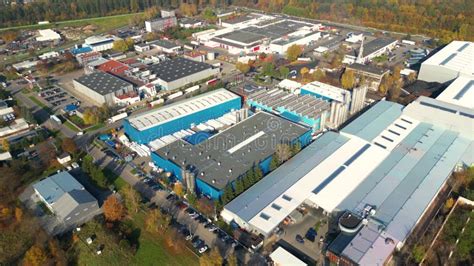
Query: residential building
(64, 158)
(188, 23)
(142, 47)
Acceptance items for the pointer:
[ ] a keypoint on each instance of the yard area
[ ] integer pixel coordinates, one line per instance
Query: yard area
(151, 249)
(457, 237)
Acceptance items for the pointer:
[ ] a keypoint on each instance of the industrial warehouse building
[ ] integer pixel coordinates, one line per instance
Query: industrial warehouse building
(160, 24)
(213, 164)
(455, 59)
(370, 50)
(102, 88)
(387, 166)
(70, 202)
(344, 103)
(145, 127)
(179, 72)
(305, 109)
(460, 92)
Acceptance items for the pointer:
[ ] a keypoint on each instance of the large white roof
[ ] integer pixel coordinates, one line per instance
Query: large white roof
(180, 109)
(326, 90)
(457, 56)
(281, 257)
(460, 92)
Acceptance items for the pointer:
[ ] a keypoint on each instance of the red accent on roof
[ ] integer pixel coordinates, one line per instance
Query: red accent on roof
(113, 67)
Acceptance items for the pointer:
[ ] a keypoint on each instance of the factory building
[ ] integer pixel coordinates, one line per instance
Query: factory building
(213, 164)
(165, 46)
(179, 72)
(303, 109)
(160, 24)
(459, 92)
(344, 103)
(373, 75)
(100, 43)
(370, 50)
(387, 167)
(146, 127)
(454, 60)
(302, 38)
(104, 88)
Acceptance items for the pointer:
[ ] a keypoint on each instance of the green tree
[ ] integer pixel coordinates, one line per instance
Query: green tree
(274, 162)
(284, 72)
(418, 253)
(239, 186)
(120, 46)
(293, 52)
(131, 198)
(268, 69)
(258, 172)
(348, 79)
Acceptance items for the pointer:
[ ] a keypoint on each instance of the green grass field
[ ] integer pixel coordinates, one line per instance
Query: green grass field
(40, 104)
(104, 23)
(71, 126)
(151, 250)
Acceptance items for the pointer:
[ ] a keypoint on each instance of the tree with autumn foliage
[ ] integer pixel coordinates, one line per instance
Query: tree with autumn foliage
(293, 52)
(68, 145)
(178, 189)
(212, 258)
(131, 198)
(242, 67)
(348, 79)
(35, 256)
(113, 209)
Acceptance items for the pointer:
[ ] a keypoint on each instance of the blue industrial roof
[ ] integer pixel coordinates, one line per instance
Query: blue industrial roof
(53, 187)
(81, 50)
(257, 197)
(198, 137)
(375, 120)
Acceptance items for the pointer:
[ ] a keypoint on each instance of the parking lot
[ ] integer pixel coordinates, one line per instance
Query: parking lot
(58, 97)
(303, 240)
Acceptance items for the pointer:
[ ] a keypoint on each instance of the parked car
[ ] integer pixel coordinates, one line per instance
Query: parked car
(198, 243)
(203, 249)
(299, 239)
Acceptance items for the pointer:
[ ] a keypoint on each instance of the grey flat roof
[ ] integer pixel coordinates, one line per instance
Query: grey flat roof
(231, 153)
(189, 20)
(53, 187)
(303, 105)
(239, 19)
(375, 120)
(178, 68)
(248, 204)
(164, 44)
(373, 46)
(102, 83)
(243, 36)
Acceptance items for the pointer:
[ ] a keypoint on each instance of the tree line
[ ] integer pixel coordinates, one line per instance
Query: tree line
(58, 10)
(444, 19)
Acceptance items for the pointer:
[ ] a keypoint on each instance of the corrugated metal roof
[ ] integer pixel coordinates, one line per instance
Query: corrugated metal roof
(251, 202)
(375, 120)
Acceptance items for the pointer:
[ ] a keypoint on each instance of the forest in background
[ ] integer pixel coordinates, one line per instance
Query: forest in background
(444, 19)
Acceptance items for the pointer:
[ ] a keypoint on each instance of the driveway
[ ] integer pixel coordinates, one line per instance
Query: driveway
(308, 248)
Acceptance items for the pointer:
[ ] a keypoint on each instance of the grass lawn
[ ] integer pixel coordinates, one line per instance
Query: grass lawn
(96, 127)
(104, 23)
(71, 126)
(40, 104)
(119, 183)
(77, 121)
(151, 249)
